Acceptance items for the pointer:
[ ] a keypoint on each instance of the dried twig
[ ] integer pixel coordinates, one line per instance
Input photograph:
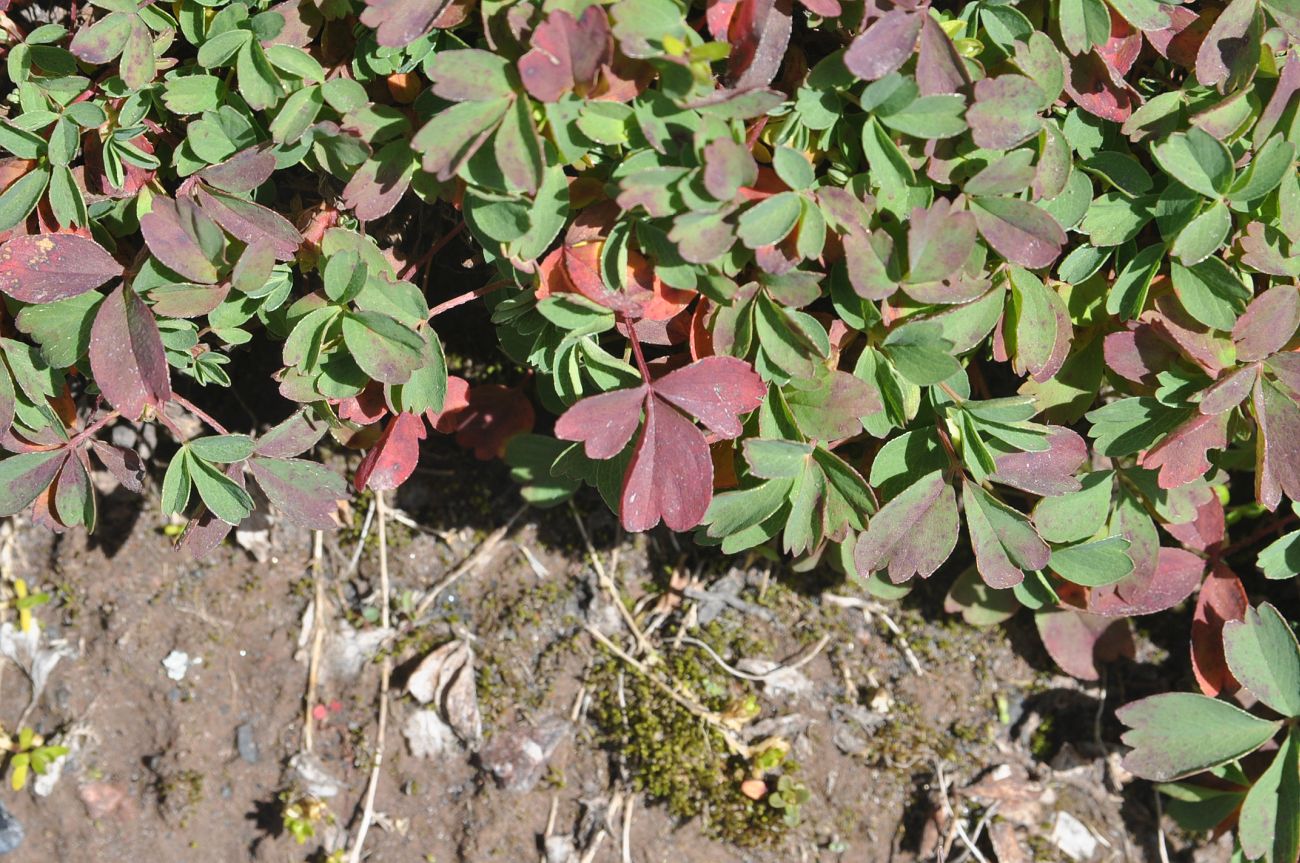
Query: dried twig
(386, 670)
(745, 675)
(361, 541)
(317, 640)
(627, 828)
(608, 584)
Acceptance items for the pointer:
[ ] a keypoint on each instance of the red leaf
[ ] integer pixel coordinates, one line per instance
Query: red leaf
(1222, 598)
(242, 172)
(885, 45)
(1206, 529)
(714, 390)
(1181, 40)
(566, 54)
(124, 464)
(1100, 90)
(205, 531)
(1079, 642)
(126, 355)
(43, 268)
(1182, 456)
(492, 417)
(1121, 51)
(365, 407)
(457, 399)
(400, 22)
(604, 422)
(390, 462)
(671, 474)
(251, 223)
(1149, 589)
(718, 17)
(1277, 447)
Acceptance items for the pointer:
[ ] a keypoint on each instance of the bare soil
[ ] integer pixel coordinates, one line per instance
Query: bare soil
(972, 748)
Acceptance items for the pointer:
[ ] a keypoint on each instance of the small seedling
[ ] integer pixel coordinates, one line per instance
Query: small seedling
(28, 752)
(789, 795)
(301, 814)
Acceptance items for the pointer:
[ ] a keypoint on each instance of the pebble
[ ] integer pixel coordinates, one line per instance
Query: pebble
(11, 832)
(245, 743)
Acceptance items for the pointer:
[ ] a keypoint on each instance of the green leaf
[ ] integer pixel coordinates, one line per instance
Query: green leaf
(1203, 235)
(1128, 295)
(221, 495)
(1262, 653)
(222, 449)
(1269, 824)
(176, 484)
(1093, 564)
(920, 353)
(793, 169)
(1281, 558)
(1076, 515)
(383, 348)
(1196, 159)
(1211, 292)
(769, 221)
(1005, 543)
(1176, 734)
(22, 196)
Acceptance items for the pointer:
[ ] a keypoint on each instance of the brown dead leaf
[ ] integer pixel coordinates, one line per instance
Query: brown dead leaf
(1020, 799)
(445, 678)
(1005, 843)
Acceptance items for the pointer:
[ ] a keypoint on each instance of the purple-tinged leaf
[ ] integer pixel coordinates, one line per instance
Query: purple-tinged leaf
(1228, 391)
(671, 473)
(1182, 455)
(104, 40)
(1288, 84)
(74, 496)
(401, 22)
(1050, 472)
(518, 148)
(242, 172)
(1230, 54)
(306, 492)
(566, 54)
(865, 256)
(187, 301)
(1042, 326)
(43, 268)
(939, 241)
(1285, 367)
(124, 464)
(885, 45)
(728, 166)
(452, 136)
(1207, 528)
(1004, 541)
(392, 460)
(939, 68)
(297, 434)
(1277, 444)
(1005, 111)
(1021, 232)
(1080, 643)
(913, 534)
(604, 422)
(380, 182)
(470, 75)
(252, 223)
(126, 355)
(1138, 353)
(172, 242)
(1268, 323)
(1176, 574)
(26, 475)
(1176, 734)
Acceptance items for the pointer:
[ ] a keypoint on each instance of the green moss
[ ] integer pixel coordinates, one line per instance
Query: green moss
(672, 756)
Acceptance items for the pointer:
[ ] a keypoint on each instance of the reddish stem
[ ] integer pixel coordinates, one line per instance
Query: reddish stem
(435, 249)
(636, 350)
(92, 428)
(1276, 526)
(192, 408)
(464, 298)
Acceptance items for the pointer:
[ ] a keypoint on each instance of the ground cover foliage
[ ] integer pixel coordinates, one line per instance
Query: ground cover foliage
(861, 283)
